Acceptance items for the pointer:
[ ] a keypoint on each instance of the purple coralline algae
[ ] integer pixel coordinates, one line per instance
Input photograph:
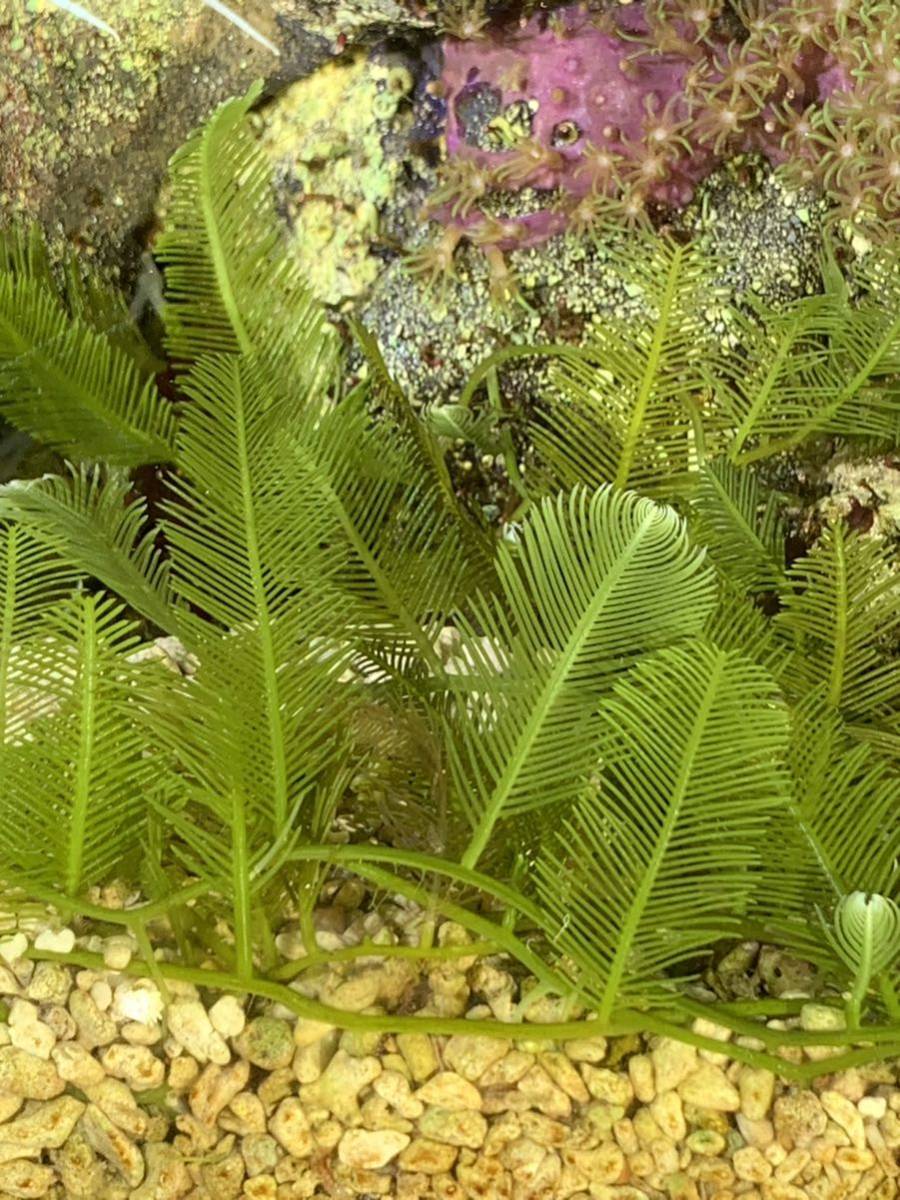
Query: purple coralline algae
(619, 113)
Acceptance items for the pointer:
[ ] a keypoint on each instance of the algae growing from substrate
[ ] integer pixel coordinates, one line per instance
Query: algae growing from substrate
(648, 709)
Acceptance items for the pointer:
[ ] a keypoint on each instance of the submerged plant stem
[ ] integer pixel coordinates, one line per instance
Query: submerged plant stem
(243, 933)
(82, 785)
(886, 1040)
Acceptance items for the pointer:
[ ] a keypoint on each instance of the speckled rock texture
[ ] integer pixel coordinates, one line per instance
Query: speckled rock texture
(128, 1096)
(338, 143)
(89, 120)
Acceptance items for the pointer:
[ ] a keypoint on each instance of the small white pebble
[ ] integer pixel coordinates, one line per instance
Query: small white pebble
(718, 1033)
(290, 945)
(138, 1000)
(101, 994)
(371, 1149)
(775, 1154)
(117, 953)
(815, 1017)
(59, 941)
(845, 1114)
(326, 939)
(873, 1106)
(27, 1033)
(138, 1033)
(282, 1012)
(14, 947)
(36, 1039)
(227, 1017)
(189, 1022)
(21, 1013)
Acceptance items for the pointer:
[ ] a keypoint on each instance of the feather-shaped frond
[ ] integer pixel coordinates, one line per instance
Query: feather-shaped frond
(866, 936)
(595, 579)
(33, 581)
(75, 785)
(847, 809)
(739, 525)
(804, 370)
(303, 500)
(258, 737)
(662, 860)
(867, 925)
(86, 297)
(626, 407)
(230, 691)
(408, 557)
(71, 386)
(842, 830)
(239, 513)
(253, 549)
(840, 611)
(241, 762)
(90, 521)
(737, 623)
(231, 284)
(838, 834)
(386, 394)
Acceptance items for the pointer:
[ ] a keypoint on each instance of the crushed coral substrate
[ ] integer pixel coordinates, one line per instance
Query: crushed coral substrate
(110, 1092)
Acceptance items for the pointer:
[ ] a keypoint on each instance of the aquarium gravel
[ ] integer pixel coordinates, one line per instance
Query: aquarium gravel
(112, 1090)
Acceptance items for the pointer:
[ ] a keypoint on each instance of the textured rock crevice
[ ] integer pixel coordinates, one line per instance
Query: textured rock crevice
(89, 121)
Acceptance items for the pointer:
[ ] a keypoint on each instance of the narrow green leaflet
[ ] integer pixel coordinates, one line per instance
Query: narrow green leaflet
(90, 521)
(628, 407)
(73, 387)
(33, 582)
(659, 860)
(77, 779)
(740, 526)
(840, 609)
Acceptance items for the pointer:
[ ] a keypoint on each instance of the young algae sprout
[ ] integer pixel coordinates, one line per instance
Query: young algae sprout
(84, 14)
